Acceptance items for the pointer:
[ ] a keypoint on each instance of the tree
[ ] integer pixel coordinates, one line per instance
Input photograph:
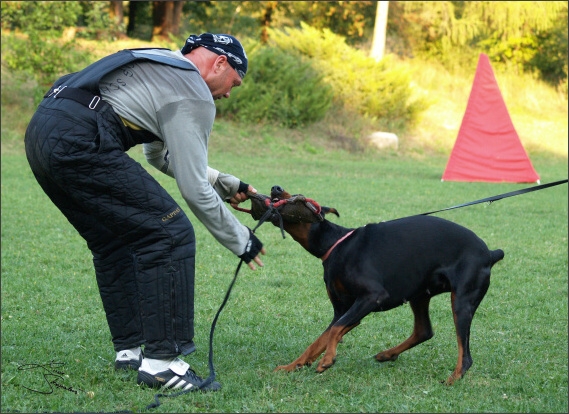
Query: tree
(166, 17)
(351, 19)
(138, 18)
(266, 20)
(461, 23)
(511, 33)
(116, 14)
(116, 11)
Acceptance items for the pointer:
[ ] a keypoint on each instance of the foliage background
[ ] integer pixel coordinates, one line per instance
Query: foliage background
(331, 37)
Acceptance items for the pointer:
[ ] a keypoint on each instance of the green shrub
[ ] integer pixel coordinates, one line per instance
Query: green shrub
(279, 88)
(378, 90)
(41, 59)
(34, 44)
(47, 17)
(551, 55)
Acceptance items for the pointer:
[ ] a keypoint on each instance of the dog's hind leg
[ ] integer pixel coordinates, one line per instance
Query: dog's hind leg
(422, 330)
(464, 305)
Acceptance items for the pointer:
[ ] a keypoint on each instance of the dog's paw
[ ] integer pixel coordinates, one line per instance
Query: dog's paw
(289, 367)
(323, 365)
(320, 368)
(286, 368)
(384, 357)
(451, 380)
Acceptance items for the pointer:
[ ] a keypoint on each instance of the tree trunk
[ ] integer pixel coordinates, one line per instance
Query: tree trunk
(116, 11)
(266, 21)
(132, 11)
(379, 30)
(162, 13)
(177, 17)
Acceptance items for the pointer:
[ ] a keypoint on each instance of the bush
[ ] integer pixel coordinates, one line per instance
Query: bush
(377, 90)
(46, 17)
(551, 55)
(34, 44)
(279, 88)
(41, 59)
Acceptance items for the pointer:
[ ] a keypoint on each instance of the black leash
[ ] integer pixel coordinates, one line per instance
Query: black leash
(500, 196)
(211, 376)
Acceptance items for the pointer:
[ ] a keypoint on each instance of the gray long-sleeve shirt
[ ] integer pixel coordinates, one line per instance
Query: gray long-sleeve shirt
(176, 105)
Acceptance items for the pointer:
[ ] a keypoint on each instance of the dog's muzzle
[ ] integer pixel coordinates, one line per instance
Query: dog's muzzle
(296, 209)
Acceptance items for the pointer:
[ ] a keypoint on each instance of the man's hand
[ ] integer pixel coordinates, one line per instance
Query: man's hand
(242, 196)
(257, 260)
(252, 250)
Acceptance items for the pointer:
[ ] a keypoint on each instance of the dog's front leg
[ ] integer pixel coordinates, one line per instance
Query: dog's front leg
(352, 318)
(337, 332)
(310, 355)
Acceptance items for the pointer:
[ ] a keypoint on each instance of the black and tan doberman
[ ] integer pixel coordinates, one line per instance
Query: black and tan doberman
(380, 266)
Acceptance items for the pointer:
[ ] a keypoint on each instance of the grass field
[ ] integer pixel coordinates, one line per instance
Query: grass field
(56, 350)
(51, 310)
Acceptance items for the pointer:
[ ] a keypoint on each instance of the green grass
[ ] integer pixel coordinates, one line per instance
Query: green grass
(51, 310)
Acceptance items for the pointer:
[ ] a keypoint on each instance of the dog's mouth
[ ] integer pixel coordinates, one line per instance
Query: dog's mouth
(279, 193)
(285, 206)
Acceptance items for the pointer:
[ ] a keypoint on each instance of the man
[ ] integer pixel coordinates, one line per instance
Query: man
(142, 242)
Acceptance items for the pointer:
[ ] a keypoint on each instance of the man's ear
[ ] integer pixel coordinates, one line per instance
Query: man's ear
(219, 63)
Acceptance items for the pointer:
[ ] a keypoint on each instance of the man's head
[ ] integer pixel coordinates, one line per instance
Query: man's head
(221, 59)
(220, 44)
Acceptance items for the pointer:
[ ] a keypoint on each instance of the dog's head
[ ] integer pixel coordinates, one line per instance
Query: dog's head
(291, 208)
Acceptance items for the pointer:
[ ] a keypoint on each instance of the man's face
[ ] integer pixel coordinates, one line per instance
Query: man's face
(223, 81)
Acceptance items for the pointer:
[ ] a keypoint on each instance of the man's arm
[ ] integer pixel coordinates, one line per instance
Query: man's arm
(185, 127)
(157, 155)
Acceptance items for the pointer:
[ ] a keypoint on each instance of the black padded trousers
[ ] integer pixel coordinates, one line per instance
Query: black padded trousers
(143, 244)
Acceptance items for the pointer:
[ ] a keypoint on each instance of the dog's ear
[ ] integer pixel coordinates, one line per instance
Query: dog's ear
(326, 210)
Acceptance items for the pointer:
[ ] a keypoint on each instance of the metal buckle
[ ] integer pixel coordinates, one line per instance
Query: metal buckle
(56, 91)
(94, 102)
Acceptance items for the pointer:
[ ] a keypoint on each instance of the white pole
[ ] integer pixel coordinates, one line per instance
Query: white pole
(379, 29)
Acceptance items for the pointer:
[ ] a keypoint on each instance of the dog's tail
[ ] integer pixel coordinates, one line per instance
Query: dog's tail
(496, 255)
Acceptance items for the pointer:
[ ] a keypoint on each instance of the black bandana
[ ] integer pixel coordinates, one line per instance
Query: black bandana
(222, 44)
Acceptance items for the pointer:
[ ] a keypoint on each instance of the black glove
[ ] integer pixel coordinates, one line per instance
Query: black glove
(243, 187)
(253, 248)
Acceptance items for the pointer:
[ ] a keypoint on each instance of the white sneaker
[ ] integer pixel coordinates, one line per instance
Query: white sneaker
(127, 359)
